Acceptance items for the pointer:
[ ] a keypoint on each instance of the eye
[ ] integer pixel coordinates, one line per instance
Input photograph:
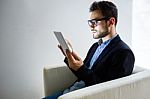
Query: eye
(92, 22)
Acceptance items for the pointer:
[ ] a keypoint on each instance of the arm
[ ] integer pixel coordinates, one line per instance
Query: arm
(86, 60)
(122, 63)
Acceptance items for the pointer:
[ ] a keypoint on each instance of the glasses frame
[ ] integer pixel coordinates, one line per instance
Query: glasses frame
(94, 22)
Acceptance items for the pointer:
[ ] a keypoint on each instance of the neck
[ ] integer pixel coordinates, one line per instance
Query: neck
(111, 34)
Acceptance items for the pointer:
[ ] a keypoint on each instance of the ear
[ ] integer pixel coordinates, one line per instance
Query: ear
(112, 21)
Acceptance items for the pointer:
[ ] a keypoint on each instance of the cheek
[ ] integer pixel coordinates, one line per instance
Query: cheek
(99, 28)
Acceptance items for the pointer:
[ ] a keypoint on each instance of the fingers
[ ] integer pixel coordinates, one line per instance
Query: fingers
(69, 44)
(69, 55)
(76, 56)
(73, 56)
(74, 61)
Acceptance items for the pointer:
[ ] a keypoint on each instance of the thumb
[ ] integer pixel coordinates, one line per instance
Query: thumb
(69, 55)
(76, 56)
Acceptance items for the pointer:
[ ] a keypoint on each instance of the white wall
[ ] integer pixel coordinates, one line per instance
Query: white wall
(141, 32)
(27, 42)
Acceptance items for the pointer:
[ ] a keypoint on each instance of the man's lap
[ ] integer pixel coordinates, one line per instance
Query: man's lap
(54, 96)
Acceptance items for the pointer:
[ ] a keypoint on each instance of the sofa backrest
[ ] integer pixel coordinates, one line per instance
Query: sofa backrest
(134, 86)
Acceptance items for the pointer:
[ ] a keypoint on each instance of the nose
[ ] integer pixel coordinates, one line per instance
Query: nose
(92, 28)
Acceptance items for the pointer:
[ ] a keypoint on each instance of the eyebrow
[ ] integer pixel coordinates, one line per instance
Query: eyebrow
(96, 18)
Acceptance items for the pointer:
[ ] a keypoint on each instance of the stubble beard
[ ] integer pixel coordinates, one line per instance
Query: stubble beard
(99, 34)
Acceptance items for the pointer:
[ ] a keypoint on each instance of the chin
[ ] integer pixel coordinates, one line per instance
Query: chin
(95, 36)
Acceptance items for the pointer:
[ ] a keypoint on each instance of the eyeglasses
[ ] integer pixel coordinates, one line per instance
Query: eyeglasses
(94, 22)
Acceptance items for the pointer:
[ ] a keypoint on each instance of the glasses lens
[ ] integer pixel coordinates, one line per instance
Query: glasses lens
(92, 22)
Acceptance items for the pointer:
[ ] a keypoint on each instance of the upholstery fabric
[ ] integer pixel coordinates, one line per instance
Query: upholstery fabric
(134, 86)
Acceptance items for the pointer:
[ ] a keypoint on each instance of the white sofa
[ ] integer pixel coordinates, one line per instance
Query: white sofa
(135, 86)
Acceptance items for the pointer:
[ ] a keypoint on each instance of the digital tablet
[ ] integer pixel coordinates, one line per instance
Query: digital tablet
(62, 41)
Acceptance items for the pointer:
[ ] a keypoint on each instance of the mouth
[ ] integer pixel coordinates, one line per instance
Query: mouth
(94, 32)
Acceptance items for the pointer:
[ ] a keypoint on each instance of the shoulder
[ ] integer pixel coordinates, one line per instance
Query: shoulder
(120, 46)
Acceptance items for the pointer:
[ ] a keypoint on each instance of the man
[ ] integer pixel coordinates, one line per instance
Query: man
(109, 58)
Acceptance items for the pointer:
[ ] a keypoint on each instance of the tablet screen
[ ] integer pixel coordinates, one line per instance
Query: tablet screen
(62, 41)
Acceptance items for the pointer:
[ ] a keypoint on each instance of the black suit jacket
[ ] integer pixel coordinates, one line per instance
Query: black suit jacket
(116, 60)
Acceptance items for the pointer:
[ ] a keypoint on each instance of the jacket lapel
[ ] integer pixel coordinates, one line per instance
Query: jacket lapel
(92, 51)
(110, 46)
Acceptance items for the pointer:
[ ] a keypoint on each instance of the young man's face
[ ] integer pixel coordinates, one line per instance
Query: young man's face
(98, 28)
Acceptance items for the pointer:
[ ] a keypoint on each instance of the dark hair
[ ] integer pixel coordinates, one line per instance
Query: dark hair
(107, 8)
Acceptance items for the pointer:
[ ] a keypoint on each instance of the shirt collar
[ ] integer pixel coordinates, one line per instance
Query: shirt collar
(101, 41)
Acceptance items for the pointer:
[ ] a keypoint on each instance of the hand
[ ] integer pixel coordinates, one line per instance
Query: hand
(60, 47)
(74, 60)
(69, 45)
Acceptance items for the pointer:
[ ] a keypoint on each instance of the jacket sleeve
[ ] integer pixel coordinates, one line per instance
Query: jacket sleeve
(85, 60)
(122, 63)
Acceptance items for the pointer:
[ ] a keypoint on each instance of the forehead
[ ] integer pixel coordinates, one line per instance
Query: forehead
(96, 14)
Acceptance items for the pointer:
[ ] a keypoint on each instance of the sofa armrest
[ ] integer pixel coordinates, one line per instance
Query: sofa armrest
(135, 86)
(57, 78)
